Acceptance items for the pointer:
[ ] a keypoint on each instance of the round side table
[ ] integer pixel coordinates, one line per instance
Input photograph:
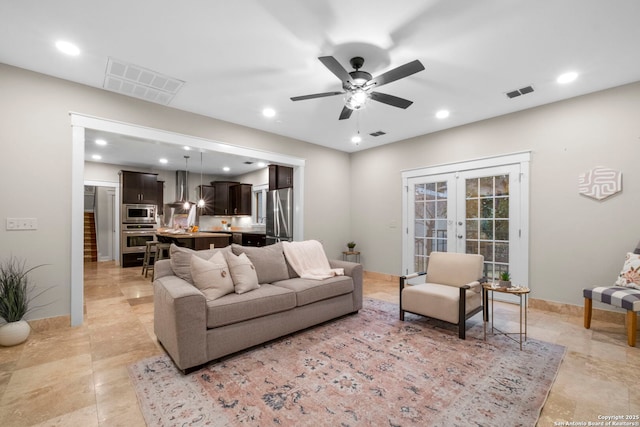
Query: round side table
(522, 293)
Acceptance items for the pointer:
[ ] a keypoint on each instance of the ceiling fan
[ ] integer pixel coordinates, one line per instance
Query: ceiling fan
(358, 85)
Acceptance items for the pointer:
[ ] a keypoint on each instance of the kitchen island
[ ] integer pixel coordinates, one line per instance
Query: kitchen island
(196, 241)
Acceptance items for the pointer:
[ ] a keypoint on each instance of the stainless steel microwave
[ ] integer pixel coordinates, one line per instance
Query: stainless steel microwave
(138, 214)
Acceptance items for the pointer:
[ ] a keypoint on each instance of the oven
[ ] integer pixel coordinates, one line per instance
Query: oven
(133, 242)
(138, 214)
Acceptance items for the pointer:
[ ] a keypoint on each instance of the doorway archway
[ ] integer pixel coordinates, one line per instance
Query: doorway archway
(80, 122)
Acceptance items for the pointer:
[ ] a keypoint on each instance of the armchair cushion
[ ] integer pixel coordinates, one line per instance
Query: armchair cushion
(454, 269)
(438, 301)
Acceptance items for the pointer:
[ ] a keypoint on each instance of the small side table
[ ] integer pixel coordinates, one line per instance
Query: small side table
(346, 254)
(522, 294)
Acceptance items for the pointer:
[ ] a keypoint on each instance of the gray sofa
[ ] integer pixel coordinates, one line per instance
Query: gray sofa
(194, 331)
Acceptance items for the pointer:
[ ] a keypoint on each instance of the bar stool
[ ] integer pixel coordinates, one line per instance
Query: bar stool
(162, 251)
(149, 257)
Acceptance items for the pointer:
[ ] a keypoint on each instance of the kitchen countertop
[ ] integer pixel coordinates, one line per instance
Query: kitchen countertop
(196, 235)
(243, 231)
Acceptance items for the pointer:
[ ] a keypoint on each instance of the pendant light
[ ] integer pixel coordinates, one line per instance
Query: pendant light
(186, 205)
(201, 202)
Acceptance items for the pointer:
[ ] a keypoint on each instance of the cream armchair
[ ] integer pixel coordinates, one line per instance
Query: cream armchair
(451, 292)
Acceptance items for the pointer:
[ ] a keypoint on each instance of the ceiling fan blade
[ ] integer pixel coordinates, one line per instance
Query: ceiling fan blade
(346, 113)
(315, 95)
(396, 74)
(334, 66)
(390, 99)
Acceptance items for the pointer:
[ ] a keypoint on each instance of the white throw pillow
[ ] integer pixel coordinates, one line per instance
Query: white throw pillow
(212, 277)
(629, 277)
(243, 272)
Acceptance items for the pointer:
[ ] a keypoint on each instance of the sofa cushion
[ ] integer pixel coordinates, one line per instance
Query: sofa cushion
(180, 259)
(212, 277)
(243, 273)
(234, 308)
(309, 291)
(268, 260)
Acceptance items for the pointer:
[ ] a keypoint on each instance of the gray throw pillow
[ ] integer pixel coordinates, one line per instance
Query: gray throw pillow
(180, 259)
(212, 277)
(269, 261)
(243, 273)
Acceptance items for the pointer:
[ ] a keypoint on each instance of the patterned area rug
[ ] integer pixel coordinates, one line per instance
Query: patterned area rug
(360, 370)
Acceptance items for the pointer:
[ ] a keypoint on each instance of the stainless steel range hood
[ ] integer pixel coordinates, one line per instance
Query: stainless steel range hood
(182, 189)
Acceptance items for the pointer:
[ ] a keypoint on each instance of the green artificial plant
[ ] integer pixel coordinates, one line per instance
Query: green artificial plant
(15, 290)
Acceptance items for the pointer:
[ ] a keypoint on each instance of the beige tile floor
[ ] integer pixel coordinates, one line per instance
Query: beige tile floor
(78, 377)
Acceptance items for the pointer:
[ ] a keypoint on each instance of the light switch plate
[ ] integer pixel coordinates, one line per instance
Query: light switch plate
(15, 224)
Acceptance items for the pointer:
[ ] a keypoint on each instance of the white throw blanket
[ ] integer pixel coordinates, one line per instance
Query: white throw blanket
(309, 260)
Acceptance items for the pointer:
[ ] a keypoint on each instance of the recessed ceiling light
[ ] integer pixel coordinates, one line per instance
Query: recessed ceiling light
(186, 148)
(67, 48)
(226, 168)
(262, 164)
(96, 157)
(101, 142)
(163, 161)
(442, 114)
(269, 112)
(567, 77)
(356, 139)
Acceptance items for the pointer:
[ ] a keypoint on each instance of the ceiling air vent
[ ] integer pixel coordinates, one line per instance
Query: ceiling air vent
(518, 92)
(139, 82)
(378, 133)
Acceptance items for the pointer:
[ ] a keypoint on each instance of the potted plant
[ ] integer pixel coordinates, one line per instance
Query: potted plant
(351, 245)
(505, 280)
(15, 301)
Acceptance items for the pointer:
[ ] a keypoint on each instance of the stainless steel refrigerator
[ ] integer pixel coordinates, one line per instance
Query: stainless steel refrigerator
(279, 215)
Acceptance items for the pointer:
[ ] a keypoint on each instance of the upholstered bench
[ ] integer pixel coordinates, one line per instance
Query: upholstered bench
(627, 298)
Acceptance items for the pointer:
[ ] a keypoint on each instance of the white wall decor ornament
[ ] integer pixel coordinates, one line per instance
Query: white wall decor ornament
(600, 183)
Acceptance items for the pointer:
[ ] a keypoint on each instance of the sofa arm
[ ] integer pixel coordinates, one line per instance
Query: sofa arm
(353, 270)
(162, 268)
(180, 321)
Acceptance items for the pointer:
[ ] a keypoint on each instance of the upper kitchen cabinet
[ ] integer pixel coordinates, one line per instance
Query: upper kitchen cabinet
(139, 187)
(240, 196)
(221, 197)
(208, 194)
(231, 198)
(160, 197)
(280, 177)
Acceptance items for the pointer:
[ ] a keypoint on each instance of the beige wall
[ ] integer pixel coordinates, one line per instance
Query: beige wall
(575, 241)
(35, 169)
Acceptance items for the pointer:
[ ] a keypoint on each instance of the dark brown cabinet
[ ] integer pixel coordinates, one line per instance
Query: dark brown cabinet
(240, 199)
(227, 198)
(253, 239)
(280, 177)
(208, 192)
(160, 197)
(139, 187)
(222, 197)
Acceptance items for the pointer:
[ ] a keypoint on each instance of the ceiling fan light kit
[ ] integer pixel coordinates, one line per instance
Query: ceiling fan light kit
(358, 85)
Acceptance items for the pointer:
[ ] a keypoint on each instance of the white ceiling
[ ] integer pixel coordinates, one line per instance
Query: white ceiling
(237, 57)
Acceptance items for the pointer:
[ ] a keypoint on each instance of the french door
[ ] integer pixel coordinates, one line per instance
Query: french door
(474, 207)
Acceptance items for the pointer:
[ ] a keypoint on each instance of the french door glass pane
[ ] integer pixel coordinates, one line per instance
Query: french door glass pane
(430, 227)
(487, 222)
